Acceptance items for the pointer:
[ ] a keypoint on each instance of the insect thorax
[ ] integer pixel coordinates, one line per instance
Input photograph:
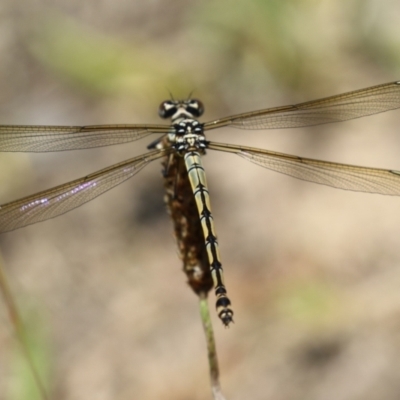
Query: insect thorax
(187, 135)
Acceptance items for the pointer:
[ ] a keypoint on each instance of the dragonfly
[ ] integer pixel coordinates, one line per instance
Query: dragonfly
(181, 144)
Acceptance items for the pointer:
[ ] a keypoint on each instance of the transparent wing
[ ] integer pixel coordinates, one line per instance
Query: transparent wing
(337, 108)
(63, 198)
(342, 176)
(36, 138)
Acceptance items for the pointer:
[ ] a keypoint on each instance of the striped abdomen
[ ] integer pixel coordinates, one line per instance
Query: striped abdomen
(197, 178)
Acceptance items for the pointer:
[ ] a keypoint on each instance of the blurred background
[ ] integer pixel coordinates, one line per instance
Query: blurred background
(313, 272)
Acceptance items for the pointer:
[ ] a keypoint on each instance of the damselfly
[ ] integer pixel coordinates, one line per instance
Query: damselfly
(181, 145)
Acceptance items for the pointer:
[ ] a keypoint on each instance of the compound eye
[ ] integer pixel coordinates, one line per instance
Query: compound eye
(195, 107)
(167, 109)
